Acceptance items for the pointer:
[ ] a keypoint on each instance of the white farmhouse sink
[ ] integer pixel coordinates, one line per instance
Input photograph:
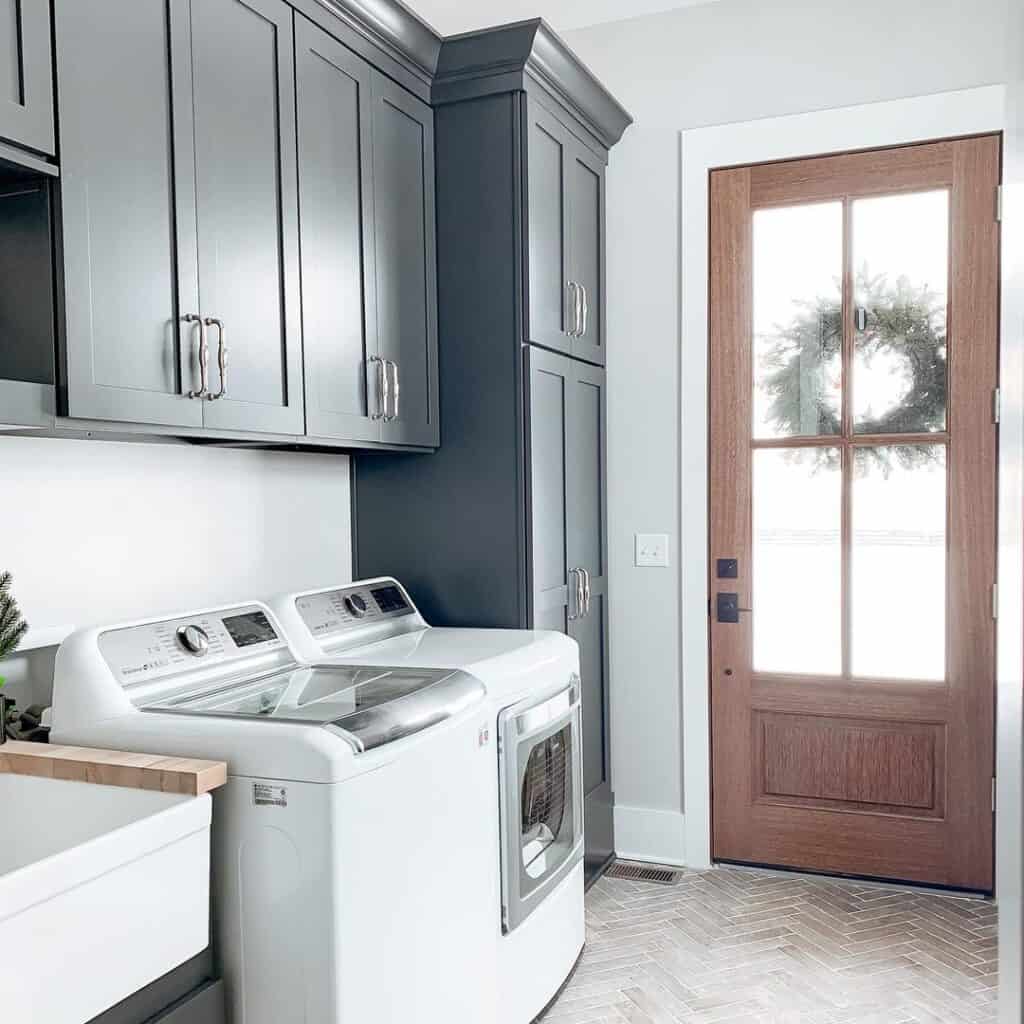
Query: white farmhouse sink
(102, 890)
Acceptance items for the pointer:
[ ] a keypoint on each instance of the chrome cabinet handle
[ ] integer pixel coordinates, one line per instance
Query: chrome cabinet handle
(574, 305)
(383, 388)
(578, 612)
(396, 390)
(204, 357)
(222, 355)
(584, 311)
(586, 591)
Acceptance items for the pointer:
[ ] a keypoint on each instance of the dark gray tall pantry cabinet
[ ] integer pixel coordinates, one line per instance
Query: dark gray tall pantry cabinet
(505, 525)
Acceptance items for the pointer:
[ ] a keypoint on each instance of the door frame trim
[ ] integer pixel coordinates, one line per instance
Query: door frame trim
(866, 126)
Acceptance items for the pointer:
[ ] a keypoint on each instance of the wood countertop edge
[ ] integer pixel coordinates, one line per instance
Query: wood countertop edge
(183, 775)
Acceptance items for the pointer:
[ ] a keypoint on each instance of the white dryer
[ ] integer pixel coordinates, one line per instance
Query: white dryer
(353, 844)
(532, 679)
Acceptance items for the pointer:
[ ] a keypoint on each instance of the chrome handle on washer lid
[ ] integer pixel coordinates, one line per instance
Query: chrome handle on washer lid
(383, 385)
(222, 355)
(204, 358)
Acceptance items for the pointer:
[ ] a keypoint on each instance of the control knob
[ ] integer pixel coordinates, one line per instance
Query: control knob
(194, 639)
(356, 605)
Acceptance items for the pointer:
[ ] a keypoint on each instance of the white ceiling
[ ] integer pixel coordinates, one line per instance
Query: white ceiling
(452, 16)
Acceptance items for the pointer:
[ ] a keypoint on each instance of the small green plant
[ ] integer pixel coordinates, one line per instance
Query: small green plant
(12, 626)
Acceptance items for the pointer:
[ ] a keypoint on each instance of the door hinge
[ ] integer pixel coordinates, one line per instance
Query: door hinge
(993, 795)
(995, 600)
(999, 204)
(997, 404)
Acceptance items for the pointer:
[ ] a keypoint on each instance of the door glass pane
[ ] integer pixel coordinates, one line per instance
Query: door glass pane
(899, 562)
(798, 270)
(901, 270)
(797, 571)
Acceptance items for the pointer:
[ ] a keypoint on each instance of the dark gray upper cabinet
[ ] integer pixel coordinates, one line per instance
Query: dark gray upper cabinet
(406, 262)
(26, 75)
(339, 308)
(129, 226)
(565, 238)
(369, 288)
(247, 211)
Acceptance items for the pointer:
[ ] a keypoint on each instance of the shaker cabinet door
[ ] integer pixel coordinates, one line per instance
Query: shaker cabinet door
(550, 303)
(339, 294)
(129, 246)
(587, 249)
(406, 261)
(26, 74)
(247, 211)
(586, 542)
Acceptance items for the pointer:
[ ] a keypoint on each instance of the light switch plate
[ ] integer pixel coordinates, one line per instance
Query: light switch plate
(652, 549)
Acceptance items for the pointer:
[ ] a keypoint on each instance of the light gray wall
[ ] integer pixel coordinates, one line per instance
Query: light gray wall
(104, 531)
(735, 60)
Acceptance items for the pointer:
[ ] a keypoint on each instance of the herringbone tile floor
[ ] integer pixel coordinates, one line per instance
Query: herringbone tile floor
(740, 945)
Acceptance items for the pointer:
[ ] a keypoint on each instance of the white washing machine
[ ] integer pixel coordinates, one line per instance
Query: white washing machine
(354, 841)
(532, 678)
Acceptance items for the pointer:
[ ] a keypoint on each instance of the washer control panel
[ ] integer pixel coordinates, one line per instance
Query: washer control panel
(337, 611)
(155, 650)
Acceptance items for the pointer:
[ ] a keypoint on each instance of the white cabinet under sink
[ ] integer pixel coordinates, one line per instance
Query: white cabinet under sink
(102, 890)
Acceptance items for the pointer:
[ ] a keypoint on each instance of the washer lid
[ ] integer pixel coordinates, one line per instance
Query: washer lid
(372, 705)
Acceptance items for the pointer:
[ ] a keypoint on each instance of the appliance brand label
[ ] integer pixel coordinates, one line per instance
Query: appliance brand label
(264, 795)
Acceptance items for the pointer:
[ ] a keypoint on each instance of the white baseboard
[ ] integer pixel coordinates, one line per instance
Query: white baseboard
(653, 836)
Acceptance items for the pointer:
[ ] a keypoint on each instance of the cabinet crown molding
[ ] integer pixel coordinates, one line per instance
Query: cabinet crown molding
(503, 59)
(392, 26)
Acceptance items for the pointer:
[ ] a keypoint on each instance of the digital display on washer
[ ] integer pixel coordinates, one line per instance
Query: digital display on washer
(389, 599)
(250, 628)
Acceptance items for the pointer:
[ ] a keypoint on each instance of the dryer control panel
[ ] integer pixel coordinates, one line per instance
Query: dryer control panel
(158, 650)
(335, 612)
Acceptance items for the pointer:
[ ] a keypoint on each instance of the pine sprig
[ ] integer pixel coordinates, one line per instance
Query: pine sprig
(12, 626)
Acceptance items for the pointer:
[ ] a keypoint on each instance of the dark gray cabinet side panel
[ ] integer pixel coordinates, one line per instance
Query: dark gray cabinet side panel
(548, 164)
(451, 524)
(587, 248)
(548, 500)
(339, 307)
(149, 1004)
(406, 258)
(247, 209)
(128, 230)
(26, 74)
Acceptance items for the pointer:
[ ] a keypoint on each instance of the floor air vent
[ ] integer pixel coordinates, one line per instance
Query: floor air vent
(643, 873)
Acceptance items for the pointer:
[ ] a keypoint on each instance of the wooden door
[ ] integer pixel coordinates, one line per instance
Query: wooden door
(26, 74)
(853, 455)
(549, 148)
(339, 295)
(587, 250)
(406, 261)
(586, 544)
(243, 62)
(127, 212)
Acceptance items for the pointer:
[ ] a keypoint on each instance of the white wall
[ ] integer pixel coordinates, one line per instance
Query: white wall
(99, 531)
(736, 60)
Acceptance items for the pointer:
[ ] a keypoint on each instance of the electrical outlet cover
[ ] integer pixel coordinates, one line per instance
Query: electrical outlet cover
(652, 549)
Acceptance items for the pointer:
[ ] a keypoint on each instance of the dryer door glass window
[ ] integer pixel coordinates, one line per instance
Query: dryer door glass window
(547, 825)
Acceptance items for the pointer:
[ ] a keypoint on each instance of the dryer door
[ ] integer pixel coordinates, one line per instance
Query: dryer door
(541, 800)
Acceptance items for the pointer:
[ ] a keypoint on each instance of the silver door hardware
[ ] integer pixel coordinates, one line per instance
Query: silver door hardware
(204, 357)
(999, 203)
(396, 391)
(575, 308)
(860, 317)
(383, 388)
(993, 796)
(997, 400)
(222, 356)
(995, 600)
(586, 591)
(584, 311)
(576, 575)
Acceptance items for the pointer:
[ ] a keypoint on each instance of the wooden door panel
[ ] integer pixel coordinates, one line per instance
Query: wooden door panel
(832, 770)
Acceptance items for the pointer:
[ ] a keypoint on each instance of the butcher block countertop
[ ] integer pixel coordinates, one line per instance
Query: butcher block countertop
(182, 775)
